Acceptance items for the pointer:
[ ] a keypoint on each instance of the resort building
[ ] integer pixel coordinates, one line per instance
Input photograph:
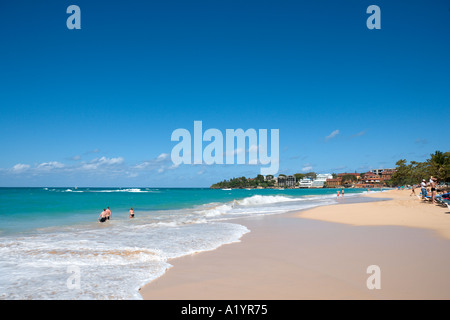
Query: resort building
(334, 183)
(281, 181)
(370, 178)
(305, 183)
(290, 181)
(380, 171)
(356, 175)
(320, 180)
(387, 174)
(323, 176)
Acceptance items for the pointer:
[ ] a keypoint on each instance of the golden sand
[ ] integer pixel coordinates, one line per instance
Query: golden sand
(323, 253)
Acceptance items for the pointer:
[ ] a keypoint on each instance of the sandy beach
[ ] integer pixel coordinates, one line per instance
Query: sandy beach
(323, 253)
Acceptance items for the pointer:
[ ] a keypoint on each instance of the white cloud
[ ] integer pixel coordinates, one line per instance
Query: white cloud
(332, 135)
(50, 165)
(162, 157)
(359, 134)
(142, 165)
(102, 162)
(307, 168)
(131, 174)
(160, 163)
(102, 165)
(112, 161)
(20, 168)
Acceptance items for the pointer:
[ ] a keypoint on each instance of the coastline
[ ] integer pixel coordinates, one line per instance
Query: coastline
(322, 253)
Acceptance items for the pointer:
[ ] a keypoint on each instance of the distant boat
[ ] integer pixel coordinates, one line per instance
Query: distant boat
(227, 189)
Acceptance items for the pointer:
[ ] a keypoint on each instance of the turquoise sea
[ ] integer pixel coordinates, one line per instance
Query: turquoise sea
(49, 236)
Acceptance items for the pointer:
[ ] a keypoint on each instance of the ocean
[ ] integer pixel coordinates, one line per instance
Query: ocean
(52, 246)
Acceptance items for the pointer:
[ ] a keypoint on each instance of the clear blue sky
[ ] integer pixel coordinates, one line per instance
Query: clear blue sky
(97, 106)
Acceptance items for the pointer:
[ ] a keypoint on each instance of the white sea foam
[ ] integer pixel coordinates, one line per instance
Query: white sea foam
(123, 190)
(259, 205)
(259, 199)
(132, 190)
(114, 260)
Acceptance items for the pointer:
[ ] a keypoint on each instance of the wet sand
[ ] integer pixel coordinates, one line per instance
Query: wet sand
(305, 256)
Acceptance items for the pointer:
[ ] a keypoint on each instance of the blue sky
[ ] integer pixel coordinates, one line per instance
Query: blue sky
(97, 106)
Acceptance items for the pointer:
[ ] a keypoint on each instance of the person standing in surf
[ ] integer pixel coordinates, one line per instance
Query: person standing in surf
(103, 216)
(108, 212)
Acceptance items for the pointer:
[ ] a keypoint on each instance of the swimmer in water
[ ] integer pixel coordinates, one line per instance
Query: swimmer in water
(108, 212)
(103, 216)
(131, 213)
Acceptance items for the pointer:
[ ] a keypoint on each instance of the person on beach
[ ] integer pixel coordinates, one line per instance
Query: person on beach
(342, 192)
(413, 190)
(338, 193)
(131, 213)
(433, 188)
(108, 212)
(423, 189)
(103, 216)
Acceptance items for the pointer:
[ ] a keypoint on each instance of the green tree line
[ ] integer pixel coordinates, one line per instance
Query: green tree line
(243, 182)
(438, 166)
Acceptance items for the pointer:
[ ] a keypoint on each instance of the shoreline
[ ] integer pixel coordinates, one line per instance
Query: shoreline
(314, 255)
(409, 212)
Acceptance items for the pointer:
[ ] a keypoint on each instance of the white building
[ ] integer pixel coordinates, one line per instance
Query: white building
(305, 183)
(318, 182)
(323, 177)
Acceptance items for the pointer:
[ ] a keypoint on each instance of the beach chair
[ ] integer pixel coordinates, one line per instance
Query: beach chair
(445, 202)
(425, 198)
(442, 199)
(439, 200)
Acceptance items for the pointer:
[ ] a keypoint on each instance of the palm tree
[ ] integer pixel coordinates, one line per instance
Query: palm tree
(440, 165)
